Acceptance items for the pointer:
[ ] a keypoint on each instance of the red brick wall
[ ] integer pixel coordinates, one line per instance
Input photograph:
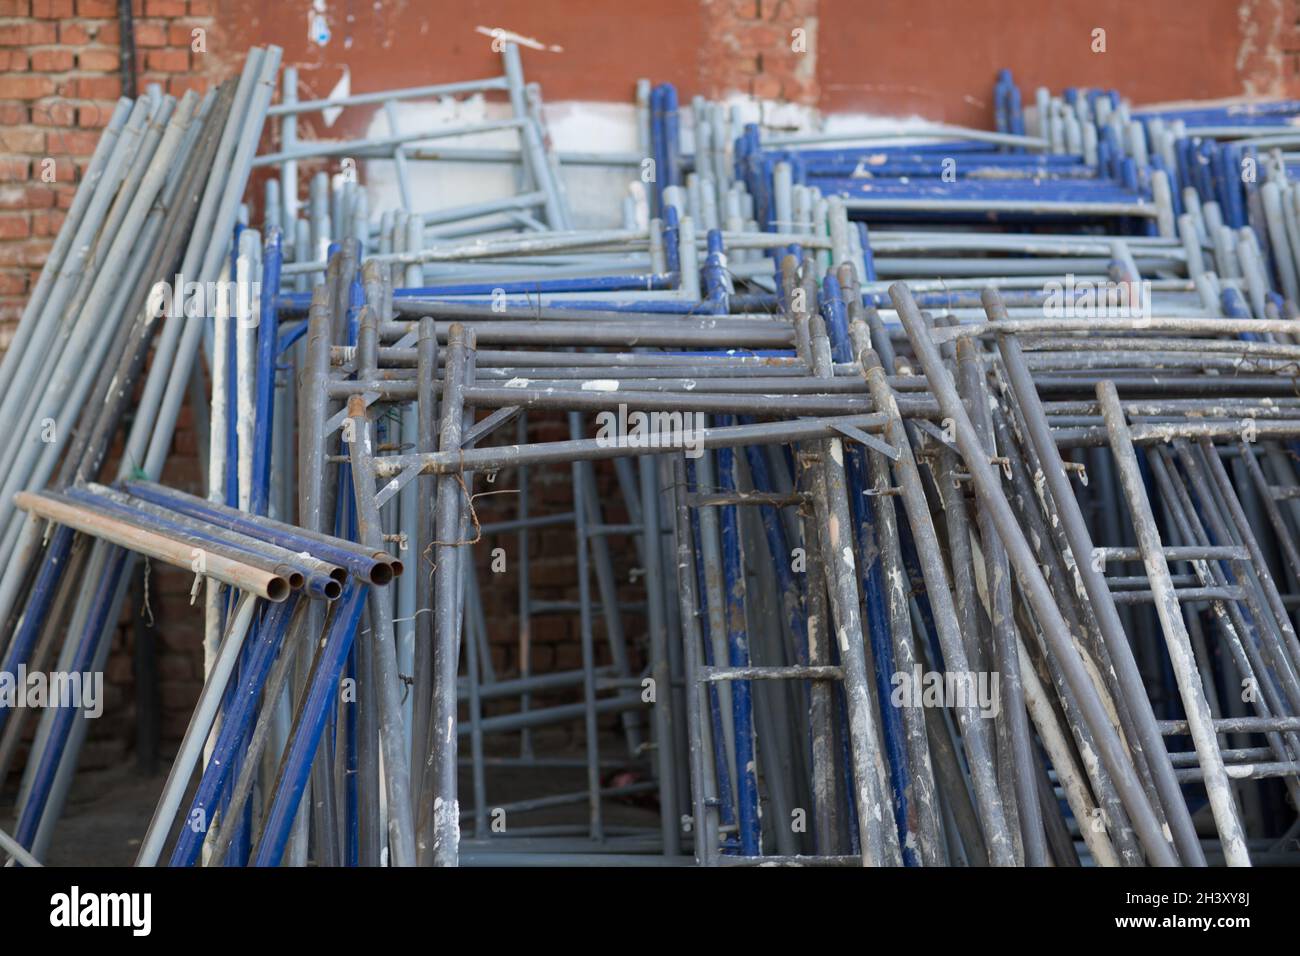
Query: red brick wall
(59, 80)
(938, 58)
(749, 47)
(605, 46)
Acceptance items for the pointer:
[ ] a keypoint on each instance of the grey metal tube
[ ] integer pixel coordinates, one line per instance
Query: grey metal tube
(1171, 619)
(397, 772)
(1147, 737)
(1053, 625)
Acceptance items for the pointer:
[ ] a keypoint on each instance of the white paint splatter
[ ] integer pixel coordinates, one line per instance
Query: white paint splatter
(342, 89)
(509, 36)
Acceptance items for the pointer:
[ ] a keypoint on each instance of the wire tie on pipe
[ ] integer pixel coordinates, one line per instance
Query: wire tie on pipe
(146, 610)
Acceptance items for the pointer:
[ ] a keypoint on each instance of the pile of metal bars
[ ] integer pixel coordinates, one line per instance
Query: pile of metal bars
(929, 499)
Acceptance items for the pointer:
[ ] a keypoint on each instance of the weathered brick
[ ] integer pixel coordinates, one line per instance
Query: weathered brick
(21, 139)
(746, 47)
(98, 60)
(14, 169)
(31, 33)
(28, 87)
(96, 8)
(28, 252)
(150, 33)
(52, 9)
(72, 142)
(164, 8)
(202, 8)
(47, 223)
(12, 61)
(22, 196)
(95, 115)
(95, 87)
(14, 114)
(180, 85)
(14, 225)
(168, 60)
(15, 8)
(52, 60)
(74, 33)
(54, 113)
(13, 283)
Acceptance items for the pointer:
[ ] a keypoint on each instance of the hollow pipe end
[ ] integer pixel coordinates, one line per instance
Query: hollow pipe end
(277, 589)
